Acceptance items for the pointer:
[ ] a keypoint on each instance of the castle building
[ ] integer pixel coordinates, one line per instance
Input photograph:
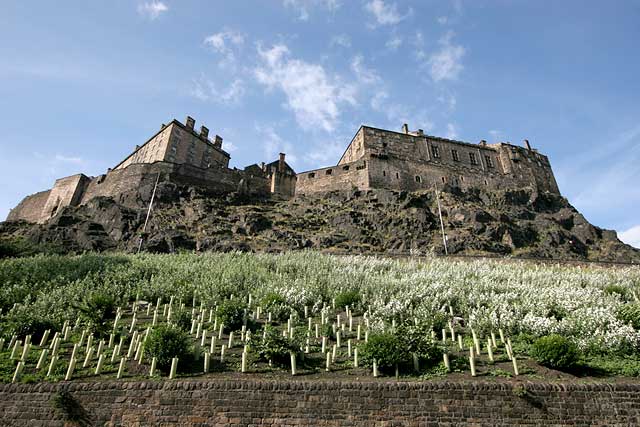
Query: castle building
(375, 158)
(411, 161)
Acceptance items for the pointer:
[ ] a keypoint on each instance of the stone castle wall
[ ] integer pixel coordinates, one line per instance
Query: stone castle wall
(412, 161)
(30, 208)
(321, 403)
(345, 176)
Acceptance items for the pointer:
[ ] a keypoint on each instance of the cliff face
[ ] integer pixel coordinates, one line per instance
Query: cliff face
(515, 223)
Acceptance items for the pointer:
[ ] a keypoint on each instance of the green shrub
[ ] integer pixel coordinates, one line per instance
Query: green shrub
(231, 314)
(275, 347)
(166, 342)
(621, 291)
(23, 321)
(277, 305)
(97, 310)
(555, 351)
(348, 298)
(630, 314)
(181, 318)
(417, 339)
(386, 349)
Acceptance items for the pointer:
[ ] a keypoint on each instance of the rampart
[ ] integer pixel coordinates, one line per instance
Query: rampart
(320, 403)
(30, 208)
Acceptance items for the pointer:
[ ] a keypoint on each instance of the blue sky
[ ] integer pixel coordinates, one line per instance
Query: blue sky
(81, 83)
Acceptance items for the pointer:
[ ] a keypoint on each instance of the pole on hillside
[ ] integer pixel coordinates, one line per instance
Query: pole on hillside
(146, 221)
(444, 237)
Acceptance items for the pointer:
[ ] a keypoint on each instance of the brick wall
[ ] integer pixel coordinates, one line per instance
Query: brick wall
(324, 403)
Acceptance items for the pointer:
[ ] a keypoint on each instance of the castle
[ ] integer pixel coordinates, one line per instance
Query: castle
(375, 158)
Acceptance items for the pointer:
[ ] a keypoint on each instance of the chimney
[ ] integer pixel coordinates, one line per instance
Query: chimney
(526, 143)
(405, 128)
(204, 132)
(190, 122)
(262, 167)
(281, 163)
(137, 148)
(217, 142)
(420, 132)
(163, 126)
(483, 142)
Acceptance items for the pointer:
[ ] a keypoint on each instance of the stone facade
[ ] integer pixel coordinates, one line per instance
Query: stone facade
(320, 403)
(375, 158)
(176, 153)
(409, 161)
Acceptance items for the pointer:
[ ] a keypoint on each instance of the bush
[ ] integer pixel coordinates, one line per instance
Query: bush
(23, 321)
(181, 318)
(630, 314)
(97, 311)
(386, 349)
(417, 339)
(621, 291)
(555, 351)
(348, 298)
(276, 305)
(231, 314)
(275, 347)
(166, 342)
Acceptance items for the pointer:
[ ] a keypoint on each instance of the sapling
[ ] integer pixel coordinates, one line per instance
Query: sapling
(99, 365)
(444, 336)
(87, 357)
(366, 336)
(203, 341)
(52, 365)
(70, 369)
(230, 344)
(501, 335)
(18, 372)
(100, 348)
(25, 352)
(493, 339)
(515, 366)
(334, 353)
(42, 358)
(16, 349)
(45, 337)
(222, 349)
(89, 342)
(213, 344)
(220, 331)
(490, 350)
(1, 344)
(338, 338)
(317, 331)
(416, 364)
(349, 348)
(358, 332)
(324, 345)
(328, 362)
(55, 337)
(293, 363)
(375, 368)
(460, 342)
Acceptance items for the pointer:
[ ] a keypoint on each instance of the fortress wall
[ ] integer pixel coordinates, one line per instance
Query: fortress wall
(65, 192)
(320, 403)
(30, 208)
(336, 178)
(356, 148)
(152, 151)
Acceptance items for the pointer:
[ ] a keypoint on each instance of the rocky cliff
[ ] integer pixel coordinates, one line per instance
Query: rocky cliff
(515, 223)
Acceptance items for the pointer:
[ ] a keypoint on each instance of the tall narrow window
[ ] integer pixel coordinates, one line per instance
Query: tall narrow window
(489, 161)
(418, 178)
(454, 154)
(473, 159)
(435, 151)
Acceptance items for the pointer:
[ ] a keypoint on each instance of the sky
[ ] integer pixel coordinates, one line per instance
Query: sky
(82, 83)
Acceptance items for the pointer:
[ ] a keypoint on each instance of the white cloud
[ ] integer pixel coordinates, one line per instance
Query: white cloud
(443, 20)
(495, 134)
(226, 43)
(452, 131)
(341, 40)
(631, 236)
(446, 63)
(394, 43)
(312, 94)
(206, 90)
(303, 7)
(386, 13)
(449, 100)
(363, 74)
(152, 9)
(325, 153)
(69, 159)
(229, 147)
(397, 113)
(274, 144)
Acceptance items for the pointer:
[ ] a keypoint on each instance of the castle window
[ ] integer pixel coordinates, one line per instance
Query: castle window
(473, 159)
(384, 173)
(418, 178)
(486, 182)
(435, 151)
(312, 175)
(462, 178)
(454, 154)
(444, 179)
(345, 168)
(329, 171)
(489, 161)
(397, 175)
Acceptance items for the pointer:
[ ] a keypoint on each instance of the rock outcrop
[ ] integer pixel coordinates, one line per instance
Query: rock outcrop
(519, 223)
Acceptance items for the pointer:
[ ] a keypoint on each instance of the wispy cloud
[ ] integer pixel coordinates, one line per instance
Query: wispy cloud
(152, 9)
(394, 43)
(446, 62)
(273, 144)
(631, 236)
(397, 113)
(452, 131)
(342, 40)
(313, 95)
(227, 44)
(364, 74)
(69, 159)
(206, 90)
(386, 13)
(303, 7)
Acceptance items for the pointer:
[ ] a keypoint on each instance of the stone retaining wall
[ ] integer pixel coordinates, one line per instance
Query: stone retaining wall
(321, 403)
